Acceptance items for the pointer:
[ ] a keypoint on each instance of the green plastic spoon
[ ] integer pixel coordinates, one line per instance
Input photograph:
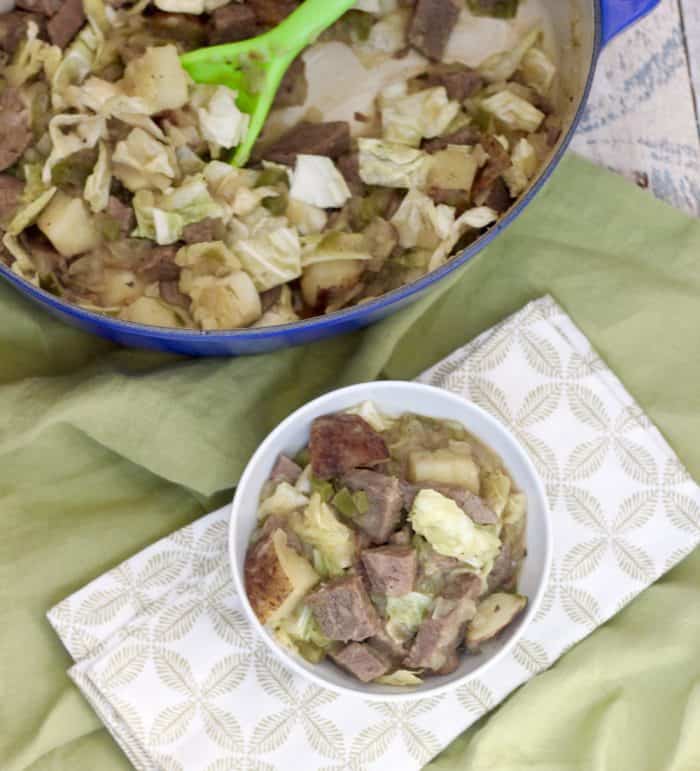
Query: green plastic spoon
(255, 67)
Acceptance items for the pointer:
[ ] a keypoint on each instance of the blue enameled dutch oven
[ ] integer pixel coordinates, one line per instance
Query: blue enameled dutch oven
(582, 28)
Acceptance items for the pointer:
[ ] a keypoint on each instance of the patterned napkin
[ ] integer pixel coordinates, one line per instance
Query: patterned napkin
(165, 657)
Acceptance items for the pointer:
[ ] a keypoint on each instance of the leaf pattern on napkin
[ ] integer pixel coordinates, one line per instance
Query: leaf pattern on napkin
(166, 658)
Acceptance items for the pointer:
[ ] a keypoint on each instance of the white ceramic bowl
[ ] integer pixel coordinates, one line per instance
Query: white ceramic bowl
(395, 398)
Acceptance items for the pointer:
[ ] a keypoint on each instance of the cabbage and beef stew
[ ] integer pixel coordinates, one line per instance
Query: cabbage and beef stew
(392, 545)
(116, 193)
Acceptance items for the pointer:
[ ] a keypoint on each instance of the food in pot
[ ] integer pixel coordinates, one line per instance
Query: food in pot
(391, 545)
(116, 193)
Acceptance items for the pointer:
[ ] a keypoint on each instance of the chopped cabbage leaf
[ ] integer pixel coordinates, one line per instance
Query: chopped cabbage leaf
(503, 65)
(451, 532)
(317, 181)
(23, 265)
(97, 185)
(141, 162)
(271, 258)
(402, 677)
(407, 119)
(477, 218)
(318, 526)
(283, 500)
(515, 509)
(369, 412)
(70, 134)
(336, 246)
(282, 312)
(230, 302)
(513, 111)
(419, 222)
(163, 217)
(307, 219)
(495, 489)
(392, 165)
(195, 7)
(157, 78)
(523, 169)
(26, 215)
(75, 66)
(538, 70)
(152, 312)
(33, 57)
(222, 124)
(302, 625)
(211, 258)
(388, 35)
(405, 614)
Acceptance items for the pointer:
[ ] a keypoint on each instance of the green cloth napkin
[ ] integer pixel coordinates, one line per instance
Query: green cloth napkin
(103, 450)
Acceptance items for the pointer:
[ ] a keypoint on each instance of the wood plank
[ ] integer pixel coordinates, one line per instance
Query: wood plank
(641, 120)
(690, 10)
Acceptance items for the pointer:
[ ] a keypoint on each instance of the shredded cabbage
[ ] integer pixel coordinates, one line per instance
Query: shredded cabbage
(76, 65)
(70, 134)
(419, 222)
(26, 215)
(97, 185)
(318, 182)
(513, 111)
(283, 500)
(368, 411)
(163, 217)
(503, 65)
(451, 532)
(407, 119)
(335, 246)
(142, 162)
(23, 265)
(230, 302)
(402, 677)
(222, 124)
(33, 57)
(271, 258)
(405, 614)
(523, 169)
(307, 219)
(320, 527)
(475, 219)
(211, 258)
(538, 70)
(391, 164)
(388, 35)
(282, 312)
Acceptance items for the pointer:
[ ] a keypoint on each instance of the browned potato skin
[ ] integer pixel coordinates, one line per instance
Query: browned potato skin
(266, 583)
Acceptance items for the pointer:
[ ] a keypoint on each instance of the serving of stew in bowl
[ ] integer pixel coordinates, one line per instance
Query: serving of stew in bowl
(390, 538)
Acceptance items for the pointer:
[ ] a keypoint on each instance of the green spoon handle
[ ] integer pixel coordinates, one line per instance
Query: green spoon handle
(303, 26)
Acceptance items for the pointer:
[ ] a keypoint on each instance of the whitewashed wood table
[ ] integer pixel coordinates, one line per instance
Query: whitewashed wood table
(642, 118)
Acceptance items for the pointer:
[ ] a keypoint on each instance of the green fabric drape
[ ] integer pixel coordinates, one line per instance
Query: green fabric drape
(104, 450)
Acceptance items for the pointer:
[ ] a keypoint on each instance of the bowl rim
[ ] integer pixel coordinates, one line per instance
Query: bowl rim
(306, 413)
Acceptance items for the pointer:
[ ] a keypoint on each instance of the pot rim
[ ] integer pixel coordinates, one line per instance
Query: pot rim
(346, 317)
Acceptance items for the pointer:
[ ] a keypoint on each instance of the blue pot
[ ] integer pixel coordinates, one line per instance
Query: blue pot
(595, 22)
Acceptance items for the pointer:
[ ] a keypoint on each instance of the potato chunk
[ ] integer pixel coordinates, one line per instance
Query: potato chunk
(67, 223)
(492, 616)
(445, 467)
(276, 578)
